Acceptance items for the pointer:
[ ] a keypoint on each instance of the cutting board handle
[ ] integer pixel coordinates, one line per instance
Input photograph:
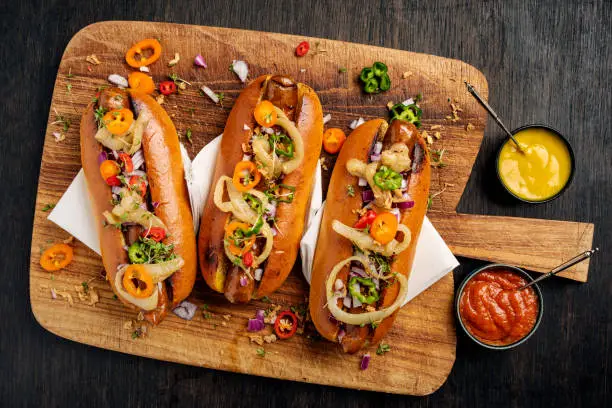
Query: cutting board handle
(533, 244)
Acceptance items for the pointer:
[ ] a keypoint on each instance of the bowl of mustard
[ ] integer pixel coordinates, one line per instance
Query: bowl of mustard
(545, 168)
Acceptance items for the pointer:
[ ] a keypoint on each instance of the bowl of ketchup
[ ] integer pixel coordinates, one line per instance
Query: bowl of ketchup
(493, 312)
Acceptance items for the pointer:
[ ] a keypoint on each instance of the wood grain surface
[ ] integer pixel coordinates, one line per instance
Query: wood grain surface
(546, 61)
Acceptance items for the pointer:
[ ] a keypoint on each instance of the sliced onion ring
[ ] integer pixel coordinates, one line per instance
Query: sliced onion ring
(367, 317)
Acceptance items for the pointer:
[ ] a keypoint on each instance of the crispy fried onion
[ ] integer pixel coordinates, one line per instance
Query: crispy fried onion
(130, 210)
(266, 231)
(271, 165)
(129, 141)
(242, 211)
(366, 243)
(397, 157)
(367, 317)
(237, 205)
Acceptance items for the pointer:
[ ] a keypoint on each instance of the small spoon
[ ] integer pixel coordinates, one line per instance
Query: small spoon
(563, 266)
(489, 109)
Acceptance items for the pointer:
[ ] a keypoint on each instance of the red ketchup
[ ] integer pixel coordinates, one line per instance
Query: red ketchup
(494, 311)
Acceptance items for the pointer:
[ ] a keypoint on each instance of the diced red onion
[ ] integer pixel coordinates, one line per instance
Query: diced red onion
(274, 231)
(138, 159)
(338, 284)
(246, 157)
(362, 182)
(346, 301)
(404, 184)
(341, 334)
(326, 118)
(358, 271)
(255, 325)
(244, 280)
(271, 209)
(199, 61)
(144, 206)
(53, 294)
(404, 205)
(125, 248)
(408, 101)
(185, 310)
(115, 154)
(375, 158)
(332, 319)
(155, 204)
(367, 196)
(365, 361)
(102, 156)
(241, 69)
(260, 314)
(378, 148)
(258, 274)
(144, 69)
(376, 283)
(116, 189)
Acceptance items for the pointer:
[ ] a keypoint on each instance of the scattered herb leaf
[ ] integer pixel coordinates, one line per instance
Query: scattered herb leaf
(48, 207)
(382, 349)
(350, 190)
(261, 352)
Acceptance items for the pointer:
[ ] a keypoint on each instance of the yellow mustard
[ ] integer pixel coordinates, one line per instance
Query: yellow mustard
(542, 171)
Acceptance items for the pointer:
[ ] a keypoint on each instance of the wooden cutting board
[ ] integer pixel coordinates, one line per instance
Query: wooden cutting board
(423, 338)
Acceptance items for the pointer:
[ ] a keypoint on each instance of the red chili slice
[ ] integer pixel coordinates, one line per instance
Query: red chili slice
(285, 318)
(367, 219)
(113, 181)
(126, 162)
(167, 87)
(247, 259)
(302, 49)
(154, 233)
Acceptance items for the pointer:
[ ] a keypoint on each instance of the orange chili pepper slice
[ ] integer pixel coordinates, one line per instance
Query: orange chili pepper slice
(384, 228)
(56, 257)
(265, 114)
(244, 243)
(138, 50)
(246, 176)
(137, 281)
(333, 139)
(109, 168)
(141, 82)
(118, 121)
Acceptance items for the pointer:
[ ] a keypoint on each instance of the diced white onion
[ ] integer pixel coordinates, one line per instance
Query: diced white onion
(241, 69)
(118, 80)
(347, 301)
(209, 92)
(358, 271)
(268, 130)
(408, 101)
(116, 189)
(404, 184)
(378, 148)
(138, 159)
(326, 118)
(138, 173)
(246, 157)
(338, 285)
(362, 182)
(375, 158)
(246, 127)
(258, 274)
(274, 231)
(356, 302)
(396, 212)
(354, 124)
(144, 69)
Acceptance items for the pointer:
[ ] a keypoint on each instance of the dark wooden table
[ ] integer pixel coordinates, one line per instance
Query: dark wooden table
(547, 61)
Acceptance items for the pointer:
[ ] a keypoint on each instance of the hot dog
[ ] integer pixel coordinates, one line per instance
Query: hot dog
(367, 240)
(133, 168)
(254, 216)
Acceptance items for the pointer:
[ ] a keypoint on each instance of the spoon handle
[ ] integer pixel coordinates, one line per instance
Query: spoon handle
(489, 109)
(563, 266)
